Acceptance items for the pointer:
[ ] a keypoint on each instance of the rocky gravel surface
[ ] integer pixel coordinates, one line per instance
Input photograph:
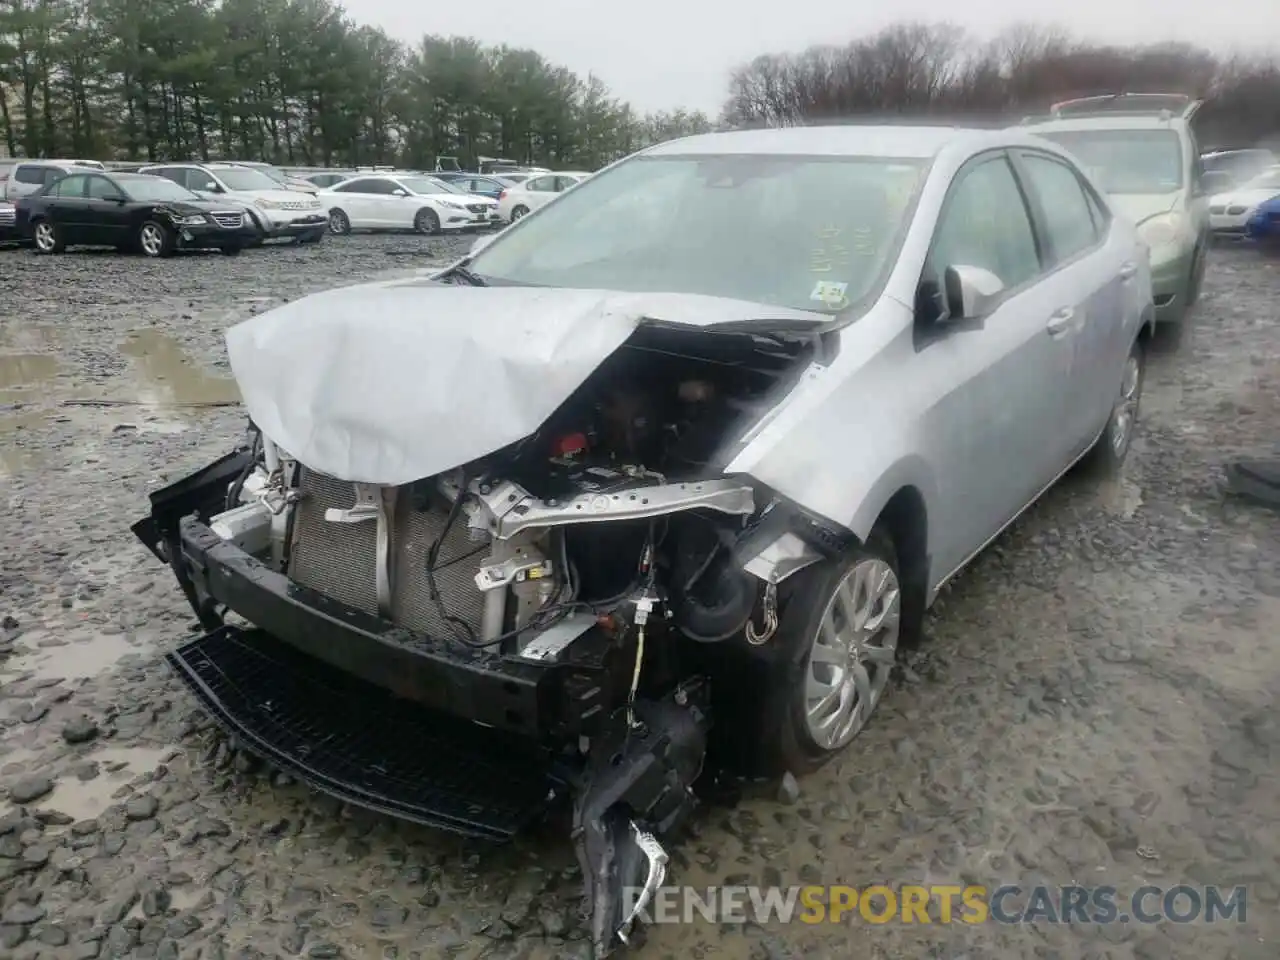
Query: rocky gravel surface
(1096, 703)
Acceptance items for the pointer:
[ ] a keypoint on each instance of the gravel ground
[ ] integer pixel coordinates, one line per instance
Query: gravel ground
(1095, 704)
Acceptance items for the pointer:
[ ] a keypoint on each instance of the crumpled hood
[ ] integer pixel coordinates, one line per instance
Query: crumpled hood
(1142, 206)
(392, 382)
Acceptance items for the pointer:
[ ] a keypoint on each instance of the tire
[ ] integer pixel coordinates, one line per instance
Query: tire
(427, 222)
(231, 251)
(48, 237)
(518, 212)
(155, 239)
(1106, 457)
(339, 223)
(1196, 280)
(791, 737)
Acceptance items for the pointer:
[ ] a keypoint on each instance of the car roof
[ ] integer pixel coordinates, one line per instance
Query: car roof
(1129, 122)
(853, 140)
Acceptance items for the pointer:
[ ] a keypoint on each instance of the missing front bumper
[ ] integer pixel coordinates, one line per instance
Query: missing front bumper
(361, 744)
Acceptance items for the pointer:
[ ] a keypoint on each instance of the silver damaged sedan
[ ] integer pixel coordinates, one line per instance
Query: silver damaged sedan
(652, 483)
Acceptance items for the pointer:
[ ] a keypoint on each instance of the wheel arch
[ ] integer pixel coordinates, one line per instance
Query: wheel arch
(904, 519)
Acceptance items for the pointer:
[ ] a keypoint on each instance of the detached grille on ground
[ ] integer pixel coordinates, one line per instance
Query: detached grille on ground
(362, 745)
(340, 559)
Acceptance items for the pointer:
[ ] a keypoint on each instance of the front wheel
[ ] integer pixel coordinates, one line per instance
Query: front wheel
(1107, 455)
(339, 224)
(427, 222)
(154, 240)
(48, 237)
(837, 641)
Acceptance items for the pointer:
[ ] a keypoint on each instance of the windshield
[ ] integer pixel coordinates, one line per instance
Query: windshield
(429, 185)
(274, 174)
(156, 189)
(1127, 161)
(808, 233)
(1265, 181)
(242, 178)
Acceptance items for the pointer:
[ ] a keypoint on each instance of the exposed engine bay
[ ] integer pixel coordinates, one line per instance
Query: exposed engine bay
(589, 566)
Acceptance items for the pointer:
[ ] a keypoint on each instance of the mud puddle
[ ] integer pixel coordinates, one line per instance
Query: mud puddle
(169, 377)
(78, 655)
(87, 799)
(22, 375)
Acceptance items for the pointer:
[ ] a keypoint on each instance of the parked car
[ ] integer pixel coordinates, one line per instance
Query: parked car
(523, 198)
(404, 202)
(28, 177)
(1142, 150)
(631, 469)
(129, 211)
(1230, 211)
(9, 232)
(276, 213)
(1239, 165)
(490, 187)
(1263, 226)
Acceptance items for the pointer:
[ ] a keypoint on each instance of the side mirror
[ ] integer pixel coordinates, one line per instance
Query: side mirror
(480, 244)
(399, 193)
(969, 293)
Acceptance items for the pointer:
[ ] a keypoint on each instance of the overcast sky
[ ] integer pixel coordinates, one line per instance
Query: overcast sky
(662, 54)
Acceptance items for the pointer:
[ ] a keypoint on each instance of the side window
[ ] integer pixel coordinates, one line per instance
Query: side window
(384, 187)
(564, 183)
(355, 186)
(54, 173)
(1068, 219)
(193, 178)
(100, 188)
(985, 224)
(541, 184)
(68, 187)
(30, 175)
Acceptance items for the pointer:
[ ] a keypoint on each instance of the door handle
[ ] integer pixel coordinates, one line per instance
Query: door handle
(1060, 321)
(1128, 270)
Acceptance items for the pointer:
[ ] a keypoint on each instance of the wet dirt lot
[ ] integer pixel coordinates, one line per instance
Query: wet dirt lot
(1096, 703)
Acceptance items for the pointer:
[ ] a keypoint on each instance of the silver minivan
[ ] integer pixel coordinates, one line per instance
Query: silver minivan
(31, 176)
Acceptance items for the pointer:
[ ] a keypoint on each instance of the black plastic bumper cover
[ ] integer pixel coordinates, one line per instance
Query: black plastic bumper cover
(360, 743)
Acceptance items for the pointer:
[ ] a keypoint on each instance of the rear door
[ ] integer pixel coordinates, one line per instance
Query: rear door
(1085, 280)
(539, 192)
(360, 202)
(68, 208)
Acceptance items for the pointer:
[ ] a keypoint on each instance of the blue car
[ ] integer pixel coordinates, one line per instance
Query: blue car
(1263, 227)
(474, 183)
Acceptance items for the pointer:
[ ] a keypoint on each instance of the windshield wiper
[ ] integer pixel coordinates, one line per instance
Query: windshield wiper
(459, 270)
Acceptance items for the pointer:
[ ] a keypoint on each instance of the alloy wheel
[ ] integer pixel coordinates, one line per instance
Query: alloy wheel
(151, 239)
(45, 239)
(1125, 410)
(852, 654)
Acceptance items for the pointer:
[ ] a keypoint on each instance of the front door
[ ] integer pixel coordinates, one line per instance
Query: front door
(106, 218)
(999, 387)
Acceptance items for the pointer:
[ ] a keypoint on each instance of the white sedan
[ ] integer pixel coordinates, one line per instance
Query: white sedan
(521, 198)
(404, 202)
(1229, 211)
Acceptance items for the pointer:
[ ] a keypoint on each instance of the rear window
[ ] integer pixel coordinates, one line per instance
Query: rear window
(30, 174)
(1127, 161)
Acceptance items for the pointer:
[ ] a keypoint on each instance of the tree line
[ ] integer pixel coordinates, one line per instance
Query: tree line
(293, 82)
(934, 69)
(298, 82)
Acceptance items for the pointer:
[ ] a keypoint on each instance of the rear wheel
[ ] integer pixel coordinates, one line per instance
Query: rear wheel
(48, 237)
(155, 239)
(518, 212)
(427, 222)
(1107, 455)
